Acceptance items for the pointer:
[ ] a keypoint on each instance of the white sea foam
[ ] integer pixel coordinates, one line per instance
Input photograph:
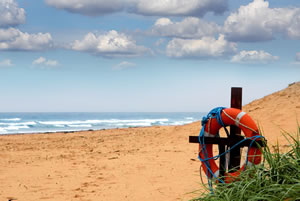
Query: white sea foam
(133, 124)
(3, 131)
(177, 123)
(59, 125)
(14, 127)
(59, 122)
(56, 123)
(80, 125)
(116, 121)
(28, 123)
(139, 124)
(189, 118)
(42, 131)
(110, 121)
(11, 119)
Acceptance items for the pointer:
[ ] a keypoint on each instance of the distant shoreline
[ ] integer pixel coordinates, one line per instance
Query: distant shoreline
(91, 130)
(24, 123)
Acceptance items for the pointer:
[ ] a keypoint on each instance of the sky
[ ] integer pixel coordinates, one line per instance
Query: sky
(144, 56)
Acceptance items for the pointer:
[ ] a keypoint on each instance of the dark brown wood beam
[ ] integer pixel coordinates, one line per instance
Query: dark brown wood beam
(227, 141)
(235, 132)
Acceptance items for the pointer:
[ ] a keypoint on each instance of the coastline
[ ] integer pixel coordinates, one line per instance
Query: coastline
(66, 122)
(88, 130)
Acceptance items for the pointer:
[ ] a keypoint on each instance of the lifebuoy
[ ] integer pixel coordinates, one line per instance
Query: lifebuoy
(229, 116)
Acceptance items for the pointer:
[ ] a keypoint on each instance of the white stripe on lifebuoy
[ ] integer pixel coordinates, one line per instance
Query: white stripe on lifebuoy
(217, 173)
(249, 164)
(238, 118)
(206, 134)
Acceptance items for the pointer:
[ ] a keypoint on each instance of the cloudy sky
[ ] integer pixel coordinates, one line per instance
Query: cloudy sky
(141, 55)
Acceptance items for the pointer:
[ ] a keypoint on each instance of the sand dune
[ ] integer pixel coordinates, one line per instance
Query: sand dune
(152, 163)
(277, 113)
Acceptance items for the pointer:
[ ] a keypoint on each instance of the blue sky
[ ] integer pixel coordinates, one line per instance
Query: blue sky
(144, 56)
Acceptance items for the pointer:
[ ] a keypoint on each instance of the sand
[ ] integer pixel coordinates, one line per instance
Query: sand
(121, 164)
(277, 113)
(151, 163)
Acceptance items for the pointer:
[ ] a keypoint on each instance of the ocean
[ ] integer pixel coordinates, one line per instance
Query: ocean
(15, 123)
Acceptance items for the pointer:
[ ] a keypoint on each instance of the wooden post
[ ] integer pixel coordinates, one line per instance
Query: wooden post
(235, 132)
(234, 138)
(222, 160)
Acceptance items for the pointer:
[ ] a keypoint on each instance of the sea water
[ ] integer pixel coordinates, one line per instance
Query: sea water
(14, 123)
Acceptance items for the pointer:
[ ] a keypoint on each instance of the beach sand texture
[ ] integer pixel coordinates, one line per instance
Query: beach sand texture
(151, 163)
(277, 112)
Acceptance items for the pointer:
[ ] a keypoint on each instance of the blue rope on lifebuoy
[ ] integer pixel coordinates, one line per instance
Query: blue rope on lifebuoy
(216, 113)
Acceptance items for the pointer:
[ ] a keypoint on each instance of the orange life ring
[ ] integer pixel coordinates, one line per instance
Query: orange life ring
(230, 116)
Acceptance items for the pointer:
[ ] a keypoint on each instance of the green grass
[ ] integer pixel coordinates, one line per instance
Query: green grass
(276, 178)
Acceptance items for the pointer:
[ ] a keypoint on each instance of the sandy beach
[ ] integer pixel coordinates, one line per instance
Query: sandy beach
(149, 163)
(155, 163)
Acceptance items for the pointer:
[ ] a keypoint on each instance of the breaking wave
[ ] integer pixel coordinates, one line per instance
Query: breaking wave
(11, 119)
(44, 123)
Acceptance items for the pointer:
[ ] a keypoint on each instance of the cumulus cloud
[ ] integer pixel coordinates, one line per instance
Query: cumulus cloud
(207, 47)
(123, 65)
(142, 7)
(189, 27)
(45, 62)
(15, 40)
(38, 61)
(11, 14)
(89, 7)
(257, 22)
(110, 44)
(180, 7)
(254, 56)
(6, 62)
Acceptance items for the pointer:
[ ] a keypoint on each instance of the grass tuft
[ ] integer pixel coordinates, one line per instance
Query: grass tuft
(276, 178)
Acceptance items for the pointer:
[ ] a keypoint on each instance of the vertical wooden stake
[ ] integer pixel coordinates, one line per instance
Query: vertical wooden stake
(222, 161)
(235, 154)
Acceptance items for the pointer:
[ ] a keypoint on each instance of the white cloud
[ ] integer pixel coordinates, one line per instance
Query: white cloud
(52, 63)
(89, 7)
(110, 44)
(180, 7)
(253, 56)
(39, 61)
(14, 39)
(10, 13)
(257, 22)
(123, 65)
(163, 22)
(6, 62)
(142, 7)
(207, 47)
(45, 62)
(189, 27)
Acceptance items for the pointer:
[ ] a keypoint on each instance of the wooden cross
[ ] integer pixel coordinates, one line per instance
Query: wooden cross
(234, 137)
